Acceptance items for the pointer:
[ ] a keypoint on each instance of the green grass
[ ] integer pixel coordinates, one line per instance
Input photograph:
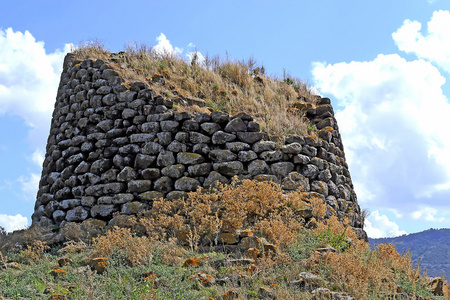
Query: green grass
(123, 281)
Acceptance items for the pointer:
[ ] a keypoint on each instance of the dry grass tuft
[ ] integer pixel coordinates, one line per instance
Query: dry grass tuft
(329, 249)
(245, 204)
(33, 252)
(123, 243)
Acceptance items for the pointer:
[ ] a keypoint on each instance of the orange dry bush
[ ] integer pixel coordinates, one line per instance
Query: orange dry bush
(281, 229)
(299, 200)
(200, 210)
(360, 271)
(73, 247)
(336, 228)
(446, 291)
(163, 220)
(121, 241)
(34, 252)
(356, 270)
(244, 204)
(237, 72)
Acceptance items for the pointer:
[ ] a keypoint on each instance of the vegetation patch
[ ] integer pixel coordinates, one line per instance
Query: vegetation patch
(282, 253)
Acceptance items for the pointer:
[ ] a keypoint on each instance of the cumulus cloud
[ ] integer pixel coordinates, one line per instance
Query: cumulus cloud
(193, 53)
(378, 226)
(165, 47)
(29, 186)
(427, 213)
(29, 80)
(433, 46)
(38, 157)
(392, 116)
(11, 223)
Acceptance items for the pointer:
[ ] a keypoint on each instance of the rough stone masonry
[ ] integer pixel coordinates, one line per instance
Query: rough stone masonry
(115, 148)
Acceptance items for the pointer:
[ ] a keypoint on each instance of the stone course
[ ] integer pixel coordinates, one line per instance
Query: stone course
(115, 147)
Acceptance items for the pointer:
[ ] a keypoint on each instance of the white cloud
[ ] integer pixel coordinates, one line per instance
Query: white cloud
(200, 58)
(192, 52)
(392, 115)
(29, 79)
(164, 47)
(11, 223)
(38, 157)
(426, 213)
(378, 226)
(434, 46)
(29, 186)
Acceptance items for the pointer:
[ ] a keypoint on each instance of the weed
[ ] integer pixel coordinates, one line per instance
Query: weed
(123, 245)
(146, 244)
(33, 252)
(339, 242)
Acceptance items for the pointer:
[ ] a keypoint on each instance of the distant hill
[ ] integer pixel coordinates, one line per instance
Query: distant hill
(432, 246)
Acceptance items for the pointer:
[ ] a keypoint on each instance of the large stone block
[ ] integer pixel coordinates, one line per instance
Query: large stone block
(173, 171)
(103, 210)
(189, 158)
(132, 208)
(187, 184)
(282, 169)
(139, 186)
(77, 214)
(229, 168)
(258, 167)
(222, 155)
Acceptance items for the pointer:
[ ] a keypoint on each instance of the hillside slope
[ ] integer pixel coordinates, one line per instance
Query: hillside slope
(431, 246)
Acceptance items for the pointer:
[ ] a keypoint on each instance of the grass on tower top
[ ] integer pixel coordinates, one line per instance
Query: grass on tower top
(223, 84)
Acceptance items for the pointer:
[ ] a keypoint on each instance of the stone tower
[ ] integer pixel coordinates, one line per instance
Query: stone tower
(114, 148)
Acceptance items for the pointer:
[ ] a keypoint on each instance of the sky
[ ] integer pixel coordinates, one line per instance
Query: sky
(384, 64)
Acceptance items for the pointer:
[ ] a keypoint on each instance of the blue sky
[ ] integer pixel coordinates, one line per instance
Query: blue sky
(384, 64)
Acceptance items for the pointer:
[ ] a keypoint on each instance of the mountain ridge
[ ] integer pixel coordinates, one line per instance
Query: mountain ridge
(431, 246)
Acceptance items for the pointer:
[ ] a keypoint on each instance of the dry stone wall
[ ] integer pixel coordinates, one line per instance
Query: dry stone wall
(115, 148)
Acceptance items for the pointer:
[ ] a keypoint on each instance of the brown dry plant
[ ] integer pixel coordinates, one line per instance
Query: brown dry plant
(33, 252)
(121, 241)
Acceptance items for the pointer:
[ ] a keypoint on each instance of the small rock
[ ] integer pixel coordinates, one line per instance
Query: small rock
(249, 137)
(221, 137)
(213, 178)
(230, 295)
(222, 155)
(192, 262)
(252, 253)
(189, 158)
(99, 264)
(58, 273)
(250, 242)
(64, 261)
(230, 168)
(204, 279)
(266, 293)
(436, 285)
